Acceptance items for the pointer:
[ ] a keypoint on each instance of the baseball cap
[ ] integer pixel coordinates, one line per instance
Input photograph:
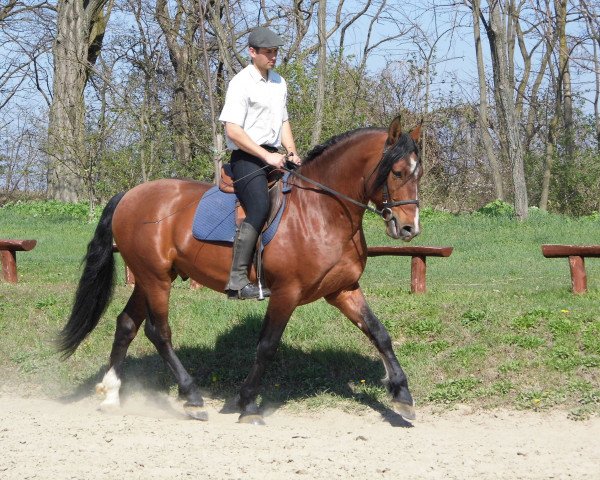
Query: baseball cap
(263, 37)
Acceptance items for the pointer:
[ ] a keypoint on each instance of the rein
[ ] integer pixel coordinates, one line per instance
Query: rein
(332, 191)
(385, 213)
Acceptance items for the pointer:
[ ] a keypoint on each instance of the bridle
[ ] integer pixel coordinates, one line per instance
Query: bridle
(385, 213)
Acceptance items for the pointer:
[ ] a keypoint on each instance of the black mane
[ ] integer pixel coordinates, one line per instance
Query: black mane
(319, 149)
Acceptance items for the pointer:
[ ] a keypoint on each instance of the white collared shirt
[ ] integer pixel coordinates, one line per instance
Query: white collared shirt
(257, 105)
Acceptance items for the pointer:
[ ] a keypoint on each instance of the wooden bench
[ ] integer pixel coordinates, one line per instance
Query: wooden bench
(419, 256)
(8, 255)
(576, 255)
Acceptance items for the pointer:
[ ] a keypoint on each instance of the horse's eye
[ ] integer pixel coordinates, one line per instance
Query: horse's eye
(397, 174)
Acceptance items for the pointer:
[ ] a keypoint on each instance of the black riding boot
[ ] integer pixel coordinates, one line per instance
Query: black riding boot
(239, 287)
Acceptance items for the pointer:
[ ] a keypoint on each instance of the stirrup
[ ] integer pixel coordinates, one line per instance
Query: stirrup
(249, 292)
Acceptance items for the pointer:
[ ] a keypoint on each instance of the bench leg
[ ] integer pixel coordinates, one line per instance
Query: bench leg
(418, 270)
(129, 277)
(9, 265)
(578, 277)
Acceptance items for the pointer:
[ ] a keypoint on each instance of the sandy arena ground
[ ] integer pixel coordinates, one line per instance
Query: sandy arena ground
(151, 439)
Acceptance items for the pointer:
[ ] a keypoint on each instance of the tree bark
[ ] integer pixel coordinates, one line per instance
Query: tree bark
(321, 73)
(548, 161)
(80, 30)
(554, 112)
(505, 103)
(564, 77)
(218, 150)
(592, 20)
(484, 122)
(179, 33)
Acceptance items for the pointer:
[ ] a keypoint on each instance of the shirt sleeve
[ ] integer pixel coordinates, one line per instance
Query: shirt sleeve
(236, 105)
(285, 112)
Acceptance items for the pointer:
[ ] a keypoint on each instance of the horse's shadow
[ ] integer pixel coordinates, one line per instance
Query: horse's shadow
(293, 375)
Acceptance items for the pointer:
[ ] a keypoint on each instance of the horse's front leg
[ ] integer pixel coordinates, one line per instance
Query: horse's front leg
(278, 313)
(353, 304)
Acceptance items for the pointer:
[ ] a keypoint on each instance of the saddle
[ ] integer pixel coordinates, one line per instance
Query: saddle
(227, 185)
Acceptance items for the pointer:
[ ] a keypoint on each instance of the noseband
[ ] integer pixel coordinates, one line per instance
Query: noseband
(386, 212)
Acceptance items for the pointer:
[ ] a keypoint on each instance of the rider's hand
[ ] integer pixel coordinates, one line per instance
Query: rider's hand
(275, 159)
(294, 158)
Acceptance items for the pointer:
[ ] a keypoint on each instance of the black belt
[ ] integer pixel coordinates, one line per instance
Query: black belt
(269, 148)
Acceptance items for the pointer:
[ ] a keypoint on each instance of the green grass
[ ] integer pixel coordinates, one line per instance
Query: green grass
(498, 326)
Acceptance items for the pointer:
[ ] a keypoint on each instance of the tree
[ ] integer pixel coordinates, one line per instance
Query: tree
(180, 32)
(321, 72)
(81, 25)
(23, 41)
(591, 14)
(499, 25)
(564, 94)
(484, 117)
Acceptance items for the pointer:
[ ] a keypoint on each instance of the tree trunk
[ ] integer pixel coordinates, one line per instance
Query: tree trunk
(80, 29)
(484, 122)
(564, 78)
(597, 94)
(321, 73)
(595, 34)
(507, 118)
(182, 122)
(550, 150)
(180, 31)
(212, 95)
(548, 161)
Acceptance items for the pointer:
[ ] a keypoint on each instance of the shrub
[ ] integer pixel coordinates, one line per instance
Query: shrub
(52, 209)
(497, 208)
(428, 213)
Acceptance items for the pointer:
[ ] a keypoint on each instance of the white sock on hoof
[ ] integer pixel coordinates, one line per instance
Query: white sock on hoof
(110, 387)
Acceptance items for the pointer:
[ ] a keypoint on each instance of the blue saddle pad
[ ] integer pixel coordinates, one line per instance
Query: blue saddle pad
(214, 220)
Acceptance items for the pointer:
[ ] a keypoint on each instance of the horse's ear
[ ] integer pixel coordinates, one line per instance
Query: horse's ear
(415, 133)
(394, 131)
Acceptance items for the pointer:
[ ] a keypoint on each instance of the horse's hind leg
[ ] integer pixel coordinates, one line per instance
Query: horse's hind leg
(353, 304)
(157, 329)
(128, 323)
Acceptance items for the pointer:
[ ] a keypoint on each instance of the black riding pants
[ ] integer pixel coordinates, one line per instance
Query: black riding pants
(251, 186)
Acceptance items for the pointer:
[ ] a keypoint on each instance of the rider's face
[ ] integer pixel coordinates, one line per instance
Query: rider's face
(264, 58)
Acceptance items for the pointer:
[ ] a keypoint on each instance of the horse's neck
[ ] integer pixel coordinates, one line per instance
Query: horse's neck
(344, 171)
(344, 168)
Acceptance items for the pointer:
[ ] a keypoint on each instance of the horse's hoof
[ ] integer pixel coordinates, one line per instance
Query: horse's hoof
(196, 412)
(101, 389)
(407, 411)
(252, 419)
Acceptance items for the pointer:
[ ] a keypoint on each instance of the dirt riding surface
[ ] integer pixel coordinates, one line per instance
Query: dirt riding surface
(150, 438)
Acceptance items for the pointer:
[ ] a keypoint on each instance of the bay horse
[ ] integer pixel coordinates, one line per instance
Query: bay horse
(319, 251)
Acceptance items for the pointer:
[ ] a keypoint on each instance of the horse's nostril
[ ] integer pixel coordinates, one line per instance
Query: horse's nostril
(406, 230)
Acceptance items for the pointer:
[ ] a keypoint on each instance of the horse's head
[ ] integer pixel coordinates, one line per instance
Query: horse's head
(395, 187)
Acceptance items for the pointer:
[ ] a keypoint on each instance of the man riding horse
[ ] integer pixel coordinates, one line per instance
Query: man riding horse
(256, 126)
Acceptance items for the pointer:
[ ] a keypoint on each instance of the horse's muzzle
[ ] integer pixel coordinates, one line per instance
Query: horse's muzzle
(405, 232)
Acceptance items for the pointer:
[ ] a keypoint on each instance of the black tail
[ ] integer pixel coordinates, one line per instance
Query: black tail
(96, 286)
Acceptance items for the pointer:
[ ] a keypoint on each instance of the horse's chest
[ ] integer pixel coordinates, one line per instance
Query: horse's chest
(335, 273)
